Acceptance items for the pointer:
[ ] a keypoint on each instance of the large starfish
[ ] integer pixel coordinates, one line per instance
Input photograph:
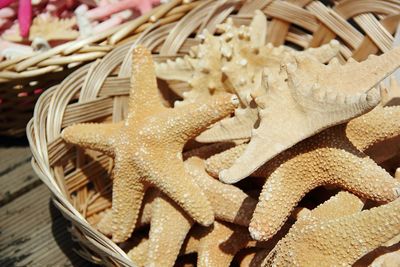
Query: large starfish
(170, 225)
(328, 158)
(307, 98)
(147, 147)
(336, 233)
(213, 67)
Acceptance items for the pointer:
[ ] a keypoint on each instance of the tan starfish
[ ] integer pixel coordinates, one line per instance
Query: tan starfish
(105, 224)
(307, 98)
(328, 158)
(377, 133)
(219, 243)
(147, 147)
(336, 233)
(168, 229)
(170, 225)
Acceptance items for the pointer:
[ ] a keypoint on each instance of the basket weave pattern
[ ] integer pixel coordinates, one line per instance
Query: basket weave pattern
(78, 179)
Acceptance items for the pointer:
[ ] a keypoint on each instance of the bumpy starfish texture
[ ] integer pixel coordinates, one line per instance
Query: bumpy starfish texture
(168, 228)
(314, 97)
(169, 224)
(329, 158)
(334, 236)
(229, 203)
(369, 131)
(220, 243)
(147, 147)
(105, 224)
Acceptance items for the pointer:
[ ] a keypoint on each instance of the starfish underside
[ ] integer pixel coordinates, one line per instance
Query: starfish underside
(314, 97)
(214, 65)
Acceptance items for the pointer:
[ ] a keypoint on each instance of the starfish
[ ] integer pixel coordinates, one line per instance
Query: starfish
(313, 97)
(105, 224)
(328, 158)
(336, 233)
(215, 245)
(377, 133)
(219, 243)
(147, 147)
(170, 225)
(213, 67)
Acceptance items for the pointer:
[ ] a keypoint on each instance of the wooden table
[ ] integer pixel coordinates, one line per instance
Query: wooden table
(32, 231)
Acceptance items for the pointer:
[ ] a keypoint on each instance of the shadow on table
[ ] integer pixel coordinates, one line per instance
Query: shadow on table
(6, 141)
(64, 238)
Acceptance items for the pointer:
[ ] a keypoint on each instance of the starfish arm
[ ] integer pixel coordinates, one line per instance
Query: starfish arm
(189, 120)
(378, 125)
(340, 205)
(168, 229)
(229, 203)
(327, 166)
(191, 243)
(144, 96)
(233, 128)
(179, 69)
(95, 136)
(325, 52)
(218, 162)
(147, 207)
(138, 254)
(105, 224)
(127, 195)
(208, 150)
(347, 238)
(170, 177)
(299, 124)
(351, 77)
(258, 29)
(221, 244)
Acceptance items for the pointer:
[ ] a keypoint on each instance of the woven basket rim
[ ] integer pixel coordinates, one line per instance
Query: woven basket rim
(100, 83)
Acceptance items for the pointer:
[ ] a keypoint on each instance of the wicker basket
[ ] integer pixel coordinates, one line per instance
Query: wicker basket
(23, 79)
(79, 180)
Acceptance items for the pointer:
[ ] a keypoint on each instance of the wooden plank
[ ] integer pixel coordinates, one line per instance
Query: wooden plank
(12, 157)
(33, 233)
(17, 181)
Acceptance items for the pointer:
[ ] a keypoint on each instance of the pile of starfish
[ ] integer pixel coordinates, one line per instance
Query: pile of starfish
(255, 122)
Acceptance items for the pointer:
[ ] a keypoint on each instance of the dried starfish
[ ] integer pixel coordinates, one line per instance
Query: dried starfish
(369, 131)
(48, 28)
(366, 132)
(336, 233)
(328, 158)
(219, 243)
(105, 223)
(169, 224)
(147, 147)
(215, 245)
(314, 97)
(214, 66)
